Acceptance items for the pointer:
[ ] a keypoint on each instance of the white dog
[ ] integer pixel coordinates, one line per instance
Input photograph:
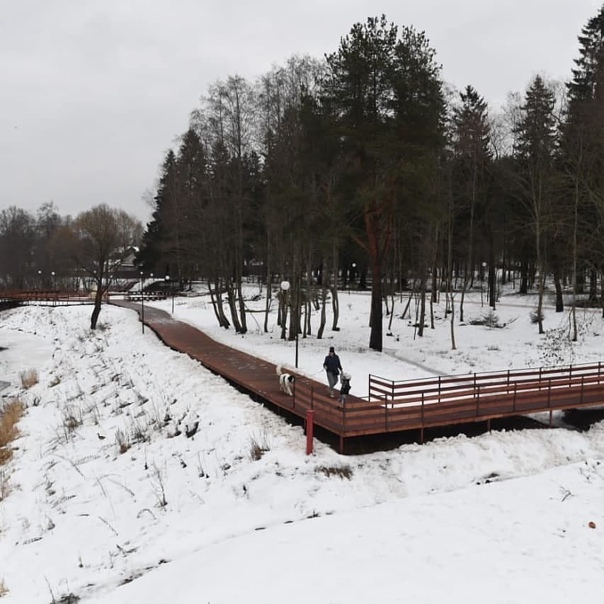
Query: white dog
(286, 381)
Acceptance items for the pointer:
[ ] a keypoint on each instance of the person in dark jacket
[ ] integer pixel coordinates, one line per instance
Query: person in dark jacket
(332, 367)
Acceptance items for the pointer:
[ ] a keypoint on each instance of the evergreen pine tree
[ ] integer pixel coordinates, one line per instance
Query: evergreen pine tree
(472, 156)
(535, 147)
(384, 88)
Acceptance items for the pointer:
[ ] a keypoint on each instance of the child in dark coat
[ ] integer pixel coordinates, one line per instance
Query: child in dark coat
(344, 387)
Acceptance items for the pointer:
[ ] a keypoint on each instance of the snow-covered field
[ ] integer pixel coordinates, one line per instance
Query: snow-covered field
(108, 500)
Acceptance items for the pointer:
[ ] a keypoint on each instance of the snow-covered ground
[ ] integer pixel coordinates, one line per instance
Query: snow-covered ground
(107, 499)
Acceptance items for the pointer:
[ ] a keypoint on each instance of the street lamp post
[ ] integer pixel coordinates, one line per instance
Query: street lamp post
(285, 285)
(109, 284)
(484, 265)
(167, 278)
(142, 304)
(298, 317)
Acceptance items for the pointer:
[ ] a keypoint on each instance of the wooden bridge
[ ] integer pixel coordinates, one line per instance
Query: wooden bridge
(392, 406)
(65, 297)
(45, 296)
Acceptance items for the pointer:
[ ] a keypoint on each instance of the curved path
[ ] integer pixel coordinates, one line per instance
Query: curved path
(255, 376)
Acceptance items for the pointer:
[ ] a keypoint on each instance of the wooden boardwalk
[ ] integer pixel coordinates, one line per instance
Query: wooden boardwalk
(392, 406)
(251, 374)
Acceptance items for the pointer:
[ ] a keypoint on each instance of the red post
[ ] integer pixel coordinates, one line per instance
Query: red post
(310, 428)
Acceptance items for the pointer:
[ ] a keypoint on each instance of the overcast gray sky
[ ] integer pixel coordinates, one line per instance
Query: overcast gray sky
(93, 92)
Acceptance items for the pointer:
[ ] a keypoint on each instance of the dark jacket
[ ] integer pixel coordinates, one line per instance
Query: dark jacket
(332, 364)
(345, 387)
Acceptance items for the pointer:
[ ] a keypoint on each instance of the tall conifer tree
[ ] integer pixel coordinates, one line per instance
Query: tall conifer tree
(384, 88)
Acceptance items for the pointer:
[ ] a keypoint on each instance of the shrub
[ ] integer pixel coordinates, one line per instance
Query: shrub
(29, 378)
(490, 320)
(3, 588)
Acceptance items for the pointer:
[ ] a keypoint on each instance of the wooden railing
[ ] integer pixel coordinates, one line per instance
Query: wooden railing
(395, 406)
(55, 296)
(73, 297)
(329, 412)
(154, 295)
(478, 396)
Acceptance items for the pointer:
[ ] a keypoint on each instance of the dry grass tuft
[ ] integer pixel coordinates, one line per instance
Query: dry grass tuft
(341, 471)
(29, 378)
(122, 441)
(259, 445)
(10, 415)
(5, 486)
(3, 588)
(256, 451)
(72, 418)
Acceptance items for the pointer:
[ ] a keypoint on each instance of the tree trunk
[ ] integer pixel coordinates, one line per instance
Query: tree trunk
(524, 273)
(269, 295)
(98, 301)
(216, 299)
(334, 291)
(376, 335)
(335, 303)
(558, 288)
(422, 312)
(242, 313)
(98, 295)
(231, 300)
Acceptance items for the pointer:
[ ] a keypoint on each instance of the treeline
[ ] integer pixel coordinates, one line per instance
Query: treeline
(365, 163)
(47, 251)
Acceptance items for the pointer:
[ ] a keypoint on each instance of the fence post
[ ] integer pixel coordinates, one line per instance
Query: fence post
(423, 414)
(386, 413)
(310, 428)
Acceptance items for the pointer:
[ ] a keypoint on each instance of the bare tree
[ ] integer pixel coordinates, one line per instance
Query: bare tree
(101, 238)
